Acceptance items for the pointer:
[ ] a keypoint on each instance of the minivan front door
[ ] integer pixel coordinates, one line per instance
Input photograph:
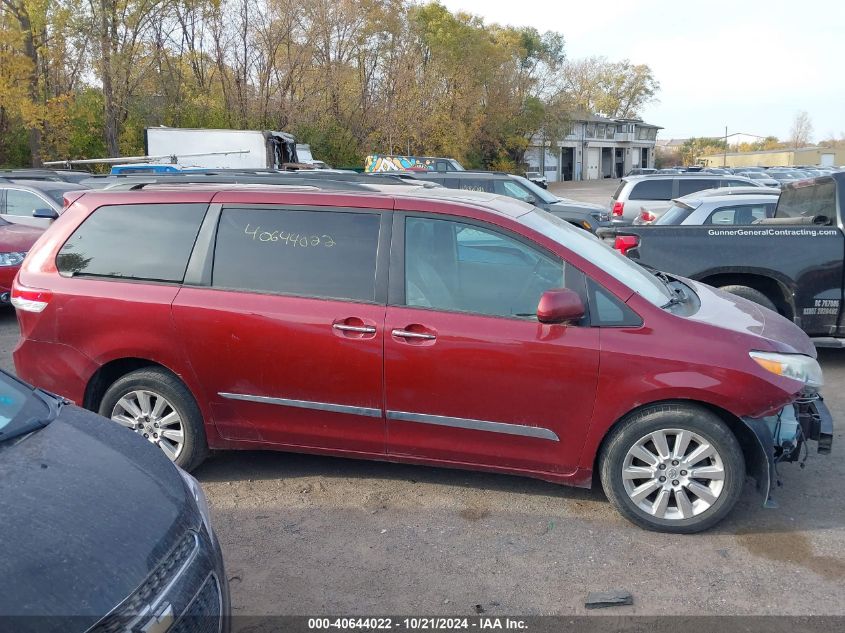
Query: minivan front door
(287, 339)
(471, 377)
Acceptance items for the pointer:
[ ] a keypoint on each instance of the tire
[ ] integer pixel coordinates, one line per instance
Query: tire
(710, 499)
(150, 385)
(752, 295)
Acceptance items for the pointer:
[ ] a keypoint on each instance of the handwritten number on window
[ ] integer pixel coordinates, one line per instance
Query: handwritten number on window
(289, 239)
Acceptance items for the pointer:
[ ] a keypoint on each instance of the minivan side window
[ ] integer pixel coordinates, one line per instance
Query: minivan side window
(652, 189)
(152, 242)
(327, 254)
(467, 268)
(691, 185)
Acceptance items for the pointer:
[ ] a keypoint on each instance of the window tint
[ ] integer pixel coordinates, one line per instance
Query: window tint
(675, 215)
(134, 241)
(470, 184)
(605, 309)
(691, 185)
(466, 268)
(512, 190)
(309, 253)
(737, 183)
(23, 202)
(740, 214)
(657, 189)
(808, 201)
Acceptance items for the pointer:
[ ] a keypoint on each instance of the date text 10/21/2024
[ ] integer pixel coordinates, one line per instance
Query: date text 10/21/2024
(288, 238)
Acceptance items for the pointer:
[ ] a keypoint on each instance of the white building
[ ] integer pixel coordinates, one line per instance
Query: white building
(596, 147)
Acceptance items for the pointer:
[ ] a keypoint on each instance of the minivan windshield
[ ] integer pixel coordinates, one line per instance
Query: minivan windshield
(536, 191)
(21, 410)
(594, 250)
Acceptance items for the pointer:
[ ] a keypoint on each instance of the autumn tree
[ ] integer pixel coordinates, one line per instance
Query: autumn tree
(802, 130)
(615, 89)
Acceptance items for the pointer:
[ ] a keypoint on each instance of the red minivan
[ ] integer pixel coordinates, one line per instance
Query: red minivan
(441, 327)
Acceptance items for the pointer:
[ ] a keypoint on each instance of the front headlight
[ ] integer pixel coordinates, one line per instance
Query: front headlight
(11, 259)
(796, 366)
(199, 498)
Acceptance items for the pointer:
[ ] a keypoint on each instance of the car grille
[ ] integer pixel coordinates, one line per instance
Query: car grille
(203, 614)
(120, 619)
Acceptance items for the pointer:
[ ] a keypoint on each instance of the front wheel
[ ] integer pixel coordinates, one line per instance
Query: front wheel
(158, 406)
(673, 468)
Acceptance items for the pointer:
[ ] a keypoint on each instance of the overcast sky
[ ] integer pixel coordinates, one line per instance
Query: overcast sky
(747, 64)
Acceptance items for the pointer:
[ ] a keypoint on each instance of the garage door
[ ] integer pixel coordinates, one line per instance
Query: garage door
(827, 160)
(593, 160)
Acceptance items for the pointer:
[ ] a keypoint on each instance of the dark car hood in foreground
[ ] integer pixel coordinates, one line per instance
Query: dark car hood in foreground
(87, 510)
(18, 238)
(741, 315)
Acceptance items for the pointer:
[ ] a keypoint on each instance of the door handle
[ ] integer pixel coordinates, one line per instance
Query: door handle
(415, 335)
(360, 329)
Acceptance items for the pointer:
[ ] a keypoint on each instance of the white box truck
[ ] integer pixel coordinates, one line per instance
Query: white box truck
(222, 149)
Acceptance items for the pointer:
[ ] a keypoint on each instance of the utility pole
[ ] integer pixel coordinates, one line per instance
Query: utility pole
(725, 156)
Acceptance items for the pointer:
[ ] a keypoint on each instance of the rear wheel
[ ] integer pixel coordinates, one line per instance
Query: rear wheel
(752, 295)
(673, 468)
(157, 405)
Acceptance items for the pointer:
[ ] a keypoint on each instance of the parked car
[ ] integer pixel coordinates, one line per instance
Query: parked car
(791, 263)
(34, 202)
(100, 531)
(15, 242)
(582, 214)
(655, 215)
(441, 327)
(760, 177)
(716, 210)
(537, 178)
(656, 192)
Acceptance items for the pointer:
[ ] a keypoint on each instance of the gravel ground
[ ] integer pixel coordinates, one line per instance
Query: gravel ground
(311, 535)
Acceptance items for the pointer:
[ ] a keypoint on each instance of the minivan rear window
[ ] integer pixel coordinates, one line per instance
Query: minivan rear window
(327, 254)
(652, 189)
(152, 242)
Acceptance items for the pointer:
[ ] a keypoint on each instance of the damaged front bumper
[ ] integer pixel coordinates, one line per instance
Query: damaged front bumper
(782, 437)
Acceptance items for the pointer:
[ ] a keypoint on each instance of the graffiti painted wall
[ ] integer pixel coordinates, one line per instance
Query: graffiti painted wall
(383, 162)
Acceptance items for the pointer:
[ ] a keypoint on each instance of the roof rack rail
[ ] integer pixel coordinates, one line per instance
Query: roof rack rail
(35, 173)
(264, 174)
(135, 183)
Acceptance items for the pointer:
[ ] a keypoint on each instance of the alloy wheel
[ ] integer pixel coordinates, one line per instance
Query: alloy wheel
(673, 474)
(151, 415)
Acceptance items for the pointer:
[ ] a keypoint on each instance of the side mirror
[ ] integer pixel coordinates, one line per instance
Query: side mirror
(531, 200)
(45, 214)
(560, 305)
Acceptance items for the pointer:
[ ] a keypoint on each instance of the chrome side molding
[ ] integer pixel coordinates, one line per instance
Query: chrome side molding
(305, 404)
(475, 425)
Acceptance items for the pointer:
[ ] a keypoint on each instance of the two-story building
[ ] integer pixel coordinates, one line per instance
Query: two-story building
(596, 147)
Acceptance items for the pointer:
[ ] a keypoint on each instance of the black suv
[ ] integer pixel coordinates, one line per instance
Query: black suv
(581, 214)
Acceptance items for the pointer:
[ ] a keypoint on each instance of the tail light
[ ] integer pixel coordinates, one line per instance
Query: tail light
(624, 243)
(647, 216)
(30, 299)
(618, 207)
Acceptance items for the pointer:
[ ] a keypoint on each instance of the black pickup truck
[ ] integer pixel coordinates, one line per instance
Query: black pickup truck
(792, 263)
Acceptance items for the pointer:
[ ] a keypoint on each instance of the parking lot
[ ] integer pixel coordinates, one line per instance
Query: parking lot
(305, 535)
